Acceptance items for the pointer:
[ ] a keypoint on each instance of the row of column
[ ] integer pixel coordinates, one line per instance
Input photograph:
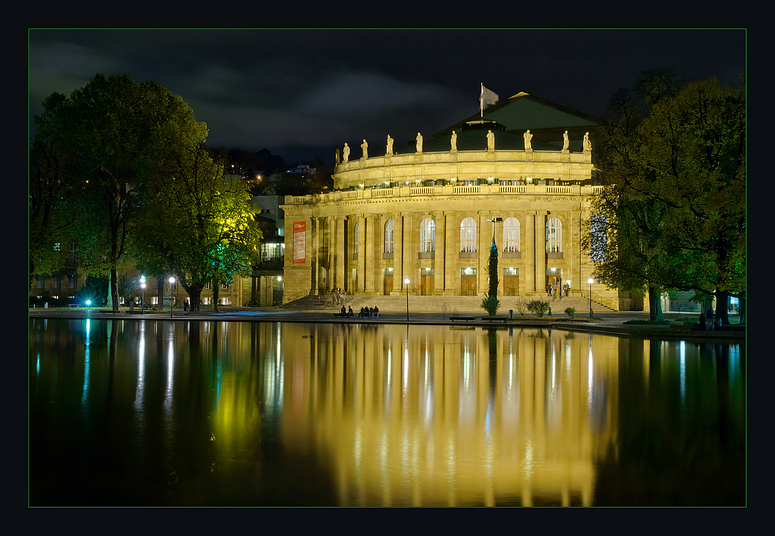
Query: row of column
(333, 245)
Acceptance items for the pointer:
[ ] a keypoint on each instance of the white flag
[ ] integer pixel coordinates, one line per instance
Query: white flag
(487, 98)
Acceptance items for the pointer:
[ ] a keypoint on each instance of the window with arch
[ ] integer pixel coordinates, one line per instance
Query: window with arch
(389, 236)
(553, 235)
(468, 235)
(511, 235)
(427, 236)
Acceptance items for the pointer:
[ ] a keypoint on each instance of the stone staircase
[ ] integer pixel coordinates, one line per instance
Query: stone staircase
(441, 304)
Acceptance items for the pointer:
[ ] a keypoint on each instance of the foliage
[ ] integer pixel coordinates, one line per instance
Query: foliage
(200, 225)
(117, 135)
(521, 305)
(673, 191)
(491, 304)
(570, 311)
(538, 307)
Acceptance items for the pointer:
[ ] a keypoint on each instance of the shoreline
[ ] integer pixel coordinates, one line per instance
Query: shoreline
(604, 323)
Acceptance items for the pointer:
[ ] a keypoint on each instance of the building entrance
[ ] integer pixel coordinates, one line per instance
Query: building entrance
(511, 281)
(388, 282)
(426, 282)
(468, 282)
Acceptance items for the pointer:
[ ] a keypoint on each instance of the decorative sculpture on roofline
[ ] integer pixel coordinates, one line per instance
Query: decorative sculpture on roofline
(528, 136)
(419, 142)
(365, 147)
(389, 149)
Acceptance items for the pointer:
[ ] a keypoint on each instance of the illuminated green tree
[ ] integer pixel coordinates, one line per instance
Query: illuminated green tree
(200, 225)
(674, 190)
(117, 135)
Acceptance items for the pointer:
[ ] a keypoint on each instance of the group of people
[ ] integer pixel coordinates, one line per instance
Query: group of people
(338, 296)
(365, 312)
(708, 323)
(551, 290)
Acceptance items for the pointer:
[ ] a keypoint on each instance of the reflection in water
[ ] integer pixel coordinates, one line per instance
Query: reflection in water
(350, 414)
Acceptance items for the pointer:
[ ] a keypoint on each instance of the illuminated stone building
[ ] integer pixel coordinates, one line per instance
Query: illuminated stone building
(521, 172)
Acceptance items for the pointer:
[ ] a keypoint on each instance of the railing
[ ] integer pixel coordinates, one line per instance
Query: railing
(601, 300)
(409, 191)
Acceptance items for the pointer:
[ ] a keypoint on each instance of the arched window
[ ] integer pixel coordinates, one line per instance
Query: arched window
(427, 236)
(511, 235)
(468, 235)
(553, 236)
(389, 236)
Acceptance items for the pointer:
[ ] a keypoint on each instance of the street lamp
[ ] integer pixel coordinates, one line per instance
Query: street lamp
(406, 282)
(172, 282)
(590, 281)
(142, 286)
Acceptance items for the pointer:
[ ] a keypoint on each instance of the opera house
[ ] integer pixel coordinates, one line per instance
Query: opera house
(520, 172)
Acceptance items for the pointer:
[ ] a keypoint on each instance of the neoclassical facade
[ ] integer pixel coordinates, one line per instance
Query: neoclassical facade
(522, 174)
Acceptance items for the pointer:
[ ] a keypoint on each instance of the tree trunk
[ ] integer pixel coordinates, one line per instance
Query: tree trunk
(114, 289)
(655, 304)
(160, 291)
(722, 306)
(216, 283)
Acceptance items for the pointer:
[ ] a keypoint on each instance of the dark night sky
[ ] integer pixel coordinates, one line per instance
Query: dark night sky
(300, 93)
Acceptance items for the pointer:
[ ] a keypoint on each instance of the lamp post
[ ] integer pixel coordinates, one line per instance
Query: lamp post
(172, 282)
(406, 282)
(590, 281)
(142, 286)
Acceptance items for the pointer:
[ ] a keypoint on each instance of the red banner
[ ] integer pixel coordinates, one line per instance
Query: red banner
(299, 242)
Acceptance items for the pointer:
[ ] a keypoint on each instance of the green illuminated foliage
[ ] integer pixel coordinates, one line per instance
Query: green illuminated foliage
(673, 171)
(117, 136)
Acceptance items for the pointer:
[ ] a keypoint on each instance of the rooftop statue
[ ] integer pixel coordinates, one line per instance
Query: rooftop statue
(345, 153)
(419, 142)
(491, 140)
(587, 143)
(365, 147)
(389, 149)
(528, 136)
(453, 141)
(565, 141)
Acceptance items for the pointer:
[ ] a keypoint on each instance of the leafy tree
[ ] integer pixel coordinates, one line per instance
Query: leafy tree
(200, 225)
(53, 187)
(673, 193)
(118, 134)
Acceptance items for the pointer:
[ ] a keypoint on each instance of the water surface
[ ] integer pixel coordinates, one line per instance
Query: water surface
(154, 412)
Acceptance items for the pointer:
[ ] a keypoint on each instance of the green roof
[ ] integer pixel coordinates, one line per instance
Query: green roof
(523, 111)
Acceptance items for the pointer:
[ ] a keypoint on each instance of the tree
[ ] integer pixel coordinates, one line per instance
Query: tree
(673, 194)
(200, 225)
(53, 181)
(118, 133)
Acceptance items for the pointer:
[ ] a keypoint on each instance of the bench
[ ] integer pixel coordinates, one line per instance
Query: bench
(458, 317)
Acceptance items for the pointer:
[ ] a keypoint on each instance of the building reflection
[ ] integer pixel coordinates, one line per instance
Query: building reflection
(392, 415)
(449, 416)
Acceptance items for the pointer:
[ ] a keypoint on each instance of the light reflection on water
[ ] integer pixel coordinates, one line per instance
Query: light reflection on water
(219, 413)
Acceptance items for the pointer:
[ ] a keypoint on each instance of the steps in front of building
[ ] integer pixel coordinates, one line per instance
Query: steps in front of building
(441, 304)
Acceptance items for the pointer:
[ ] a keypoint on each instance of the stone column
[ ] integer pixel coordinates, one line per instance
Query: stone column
(527, 280)
(361, 262)
(315, 255)
(371, 223)
(410, 249)
(483, 231)
(540, 252)
(398, 252)
(340, 261)
(439, 263)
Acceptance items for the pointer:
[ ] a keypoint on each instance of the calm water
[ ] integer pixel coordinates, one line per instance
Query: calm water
(227, 413)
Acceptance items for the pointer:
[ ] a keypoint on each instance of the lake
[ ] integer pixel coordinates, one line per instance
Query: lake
(209, 413)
